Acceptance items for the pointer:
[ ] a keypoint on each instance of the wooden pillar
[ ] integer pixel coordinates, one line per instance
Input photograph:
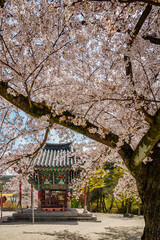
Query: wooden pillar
(20, 189)
(39, 199)
(85, 198)
(31, 195)
(39, 191)
(32, 204)
(1, 204)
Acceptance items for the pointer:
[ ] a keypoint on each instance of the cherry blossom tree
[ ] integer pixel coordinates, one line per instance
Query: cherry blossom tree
(126, 190)
(92, 67)
(13, 187)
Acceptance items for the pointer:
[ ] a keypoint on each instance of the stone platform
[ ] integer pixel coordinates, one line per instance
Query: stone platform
(48, 216)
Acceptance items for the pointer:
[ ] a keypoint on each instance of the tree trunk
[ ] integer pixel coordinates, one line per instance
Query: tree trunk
(103, 203)
(97, 201)
(151, 203)
(123, 207)
(139, 208)
(88, 199)
(110, 208)
(127, 207)
(117, 206)
(149, 190)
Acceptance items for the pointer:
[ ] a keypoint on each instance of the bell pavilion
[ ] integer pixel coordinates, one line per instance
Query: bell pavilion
(54, 170)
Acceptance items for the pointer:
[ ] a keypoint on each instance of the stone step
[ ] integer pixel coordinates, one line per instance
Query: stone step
(51, 218)
(45, 216)
(53, 215)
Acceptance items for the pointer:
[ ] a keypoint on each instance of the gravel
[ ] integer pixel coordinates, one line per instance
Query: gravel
(109, 226)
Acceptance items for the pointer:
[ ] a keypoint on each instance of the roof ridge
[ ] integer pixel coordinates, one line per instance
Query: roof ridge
(58, 144)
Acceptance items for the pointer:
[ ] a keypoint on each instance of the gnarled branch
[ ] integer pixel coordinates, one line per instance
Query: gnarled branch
(38, 110)
(151, 2)
(132, 159)
(152, 39)
(147, 142)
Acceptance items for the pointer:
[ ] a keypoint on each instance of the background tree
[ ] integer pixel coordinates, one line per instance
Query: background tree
(12, 186)
(96, 190)
(115, 173)
(101, 187)
(126, 190)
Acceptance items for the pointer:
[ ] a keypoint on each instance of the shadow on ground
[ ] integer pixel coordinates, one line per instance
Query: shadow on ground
(112, 233)
(64, 235)
(121, 233)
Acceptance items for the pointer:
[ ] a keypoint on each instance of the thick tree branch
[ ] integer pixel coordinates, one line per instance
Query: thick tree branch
(152, 39)
(126, 153)
(140, 22)
(149, 118)
(147, 142)
(151, 2)
(133, 35)
(2, 3)
(132, 159)
(65, 119)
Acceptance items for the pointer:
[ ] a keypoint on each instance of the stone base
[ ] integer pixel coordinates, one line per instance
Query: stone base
(53, 209)
(85, 209)
(68, 206)
(48, 216)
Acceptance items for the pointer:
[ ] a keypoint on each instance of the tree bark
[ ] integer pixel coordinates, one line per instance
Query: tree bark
(105, 210)
(117, 206)
(127, 209)
(139, 209)
(100, 202)
(2, 3)
(110, 208)
(103, 203)
(88, 200)
(149, 190)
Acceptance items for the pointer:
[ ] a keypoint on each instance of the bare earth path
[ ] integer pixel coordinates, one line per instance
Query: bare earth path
(111, 227)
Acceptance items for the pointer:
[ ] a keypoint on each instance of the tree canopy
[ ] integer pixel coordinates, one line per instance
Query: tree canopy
(90, 66)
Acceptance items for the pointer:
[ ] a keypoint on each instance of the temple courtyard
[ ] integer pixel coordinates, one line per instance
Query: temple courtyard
(108, 226)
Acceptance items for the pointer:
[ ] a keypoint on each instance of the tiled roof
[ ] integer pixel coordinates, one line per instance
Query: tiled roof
(56, 155)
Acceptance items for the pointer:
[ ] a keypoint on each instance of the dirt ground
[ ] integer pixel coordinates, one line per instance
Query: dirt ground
(111, 227)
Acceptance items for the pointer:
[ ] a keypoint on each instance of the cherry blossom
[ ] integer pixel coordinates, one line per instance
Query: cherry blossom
(92, 67)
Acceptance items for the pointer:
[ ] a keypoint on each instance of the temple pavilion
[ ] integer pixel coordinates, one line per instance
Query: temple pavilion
(54, 169)
(53, 173)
